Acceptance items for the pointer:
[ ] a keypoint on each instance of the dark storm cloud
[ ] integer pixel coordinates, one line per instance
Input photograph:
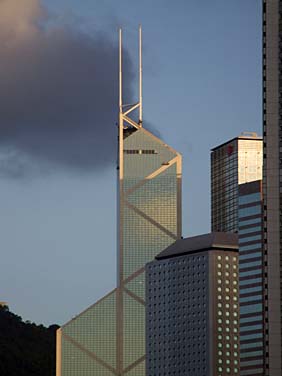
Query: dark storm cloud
(58, 93)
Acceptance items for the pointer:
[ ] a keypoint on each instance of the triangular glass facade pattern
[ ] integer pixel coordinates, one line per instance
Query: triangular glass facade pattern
(109, 337)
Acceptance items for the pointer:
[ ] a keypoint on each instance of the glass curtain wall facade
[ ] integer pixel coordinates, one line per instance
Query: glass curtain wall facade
(150, 220)
(192, 309)
(251, 278)
(272, 181)
(235, 162)
(109, 337)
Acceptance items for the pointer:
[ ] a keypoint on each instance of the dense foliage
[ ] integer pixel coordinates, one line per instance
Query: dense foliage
(26, 349)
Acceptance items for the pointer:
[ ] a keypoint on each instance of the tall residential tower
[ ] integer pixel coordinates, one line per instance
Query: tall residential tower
(109, 337)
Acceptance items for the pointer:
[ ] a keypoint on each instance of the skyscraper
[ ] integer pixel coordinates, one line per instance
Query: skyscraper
(192, 310)
(272, 182)
(251, 271)
(109, 337)
(234, 162)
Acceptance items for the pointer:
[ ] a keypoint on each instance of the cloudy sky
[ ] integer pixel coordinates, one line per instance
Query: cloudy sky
(58, 110)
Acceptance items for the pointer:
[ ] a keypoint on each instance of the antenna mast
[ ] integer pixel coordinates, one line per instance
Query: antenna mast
(126, 109)
(140, 78)
(120, 71)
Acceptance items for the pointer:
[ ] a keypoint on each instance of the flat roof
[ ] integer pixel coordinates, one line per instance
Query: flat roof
(214, 240)
(244, 136)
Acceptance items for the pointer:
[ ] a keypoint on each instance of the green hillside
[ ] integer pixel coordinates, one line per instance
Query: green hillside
(26, 349)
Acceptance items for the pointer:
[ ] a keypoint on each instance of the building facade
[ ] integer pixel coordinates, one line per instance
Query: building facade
(251, 272)
(272, 182)
(192, 308)
(109, 337)
(235, 162)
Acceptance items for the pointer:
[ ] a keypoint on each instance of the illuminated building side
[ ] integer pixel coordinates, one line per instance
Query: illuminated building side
(235, 162)
(109, 337)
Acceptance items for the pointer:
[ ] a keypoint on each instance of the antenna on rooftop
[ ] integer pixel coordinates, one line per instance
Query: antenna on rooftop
(125, 109)
(140, 78)
(120, 70)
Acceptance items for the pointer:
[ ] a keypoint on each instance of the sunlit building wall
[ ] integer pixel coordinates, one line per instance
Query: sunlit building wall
(235, 162)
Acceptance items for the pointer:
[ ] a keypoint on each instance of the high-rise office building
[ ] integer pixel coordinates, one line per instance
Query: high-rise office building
(251, 271)
(192, 308)
(235, 162)
(109, 337)
(272, 182)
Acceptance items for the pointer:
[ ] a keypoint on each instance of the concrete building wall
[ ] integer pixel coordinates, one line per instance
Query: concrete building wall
(271, 183)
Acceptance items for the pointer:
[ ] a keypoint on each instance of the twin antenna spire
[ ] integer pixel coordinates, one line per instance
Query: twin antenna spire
(125, 109)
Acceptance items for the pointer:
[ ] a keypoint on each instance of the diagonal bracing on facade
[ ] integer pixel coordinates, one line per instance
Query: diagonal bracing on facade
(109, 337)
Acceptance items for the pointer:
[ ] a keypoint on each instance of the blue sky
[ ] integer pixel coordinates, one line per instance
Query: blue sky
(202, 86)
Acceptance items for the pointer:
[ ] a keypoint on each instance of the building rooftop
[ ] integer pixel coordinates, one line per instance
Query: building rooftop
(243, 136)
(195, 244)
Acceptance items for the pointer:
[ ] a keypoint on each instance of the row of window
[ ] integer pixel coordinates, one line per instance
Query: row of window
(140, 151)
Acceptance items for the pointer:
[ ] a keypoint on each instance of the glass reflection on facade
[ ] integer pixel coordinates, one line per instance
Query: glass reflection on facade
(109, 337)
(251, 278)
(235, 162)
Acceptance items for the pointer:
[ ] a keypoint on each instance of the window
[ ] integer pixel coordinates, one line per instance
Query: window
(252, 210)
